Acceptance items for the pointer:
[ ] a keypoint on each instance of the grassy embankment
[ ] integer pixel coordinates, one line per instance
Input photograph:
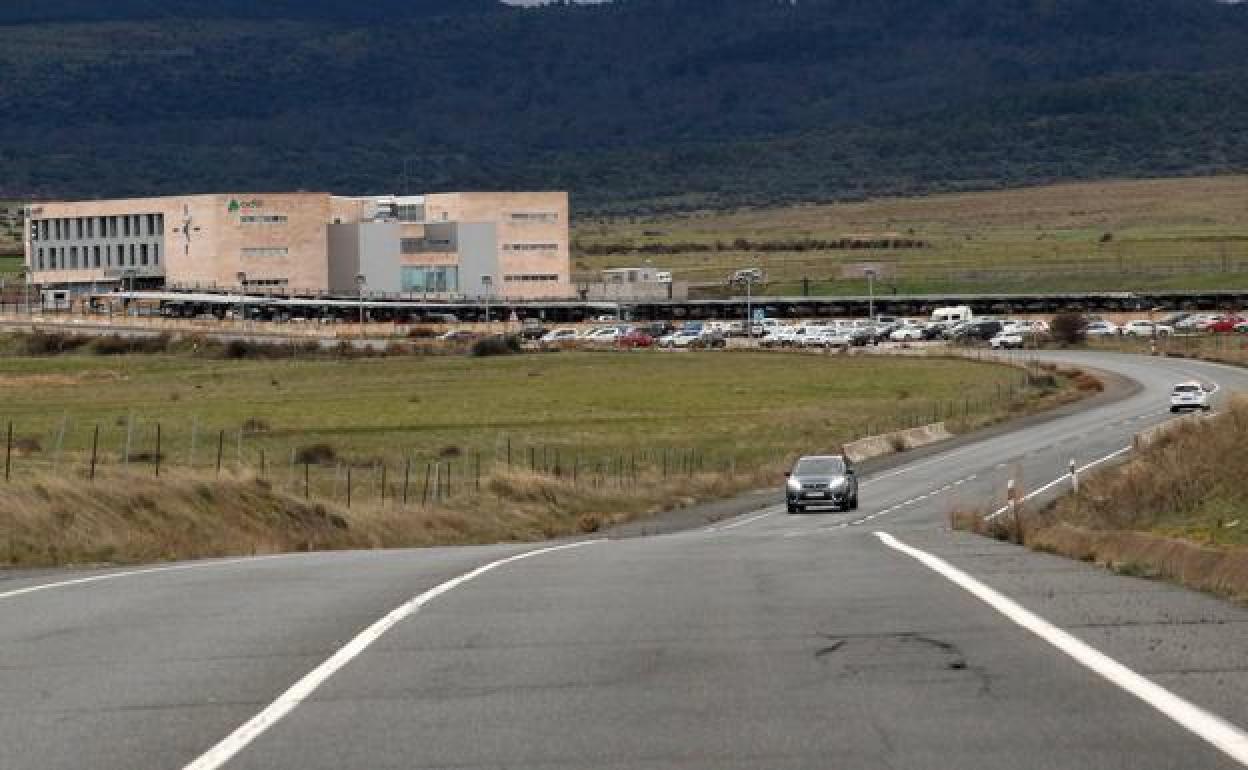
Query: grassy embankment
(594, 438)
(1178, 509)
(1175, 233)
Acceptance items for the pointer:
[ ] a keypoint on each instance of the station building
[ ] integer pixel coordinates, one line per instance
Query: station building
(441, 245)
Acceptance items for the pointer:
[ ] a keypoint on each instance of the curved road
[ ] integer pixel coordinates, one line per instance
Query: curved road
(767, 641)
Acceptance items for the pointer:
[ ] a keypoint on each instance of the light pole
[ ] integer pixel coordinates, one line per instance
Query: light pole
(360, 281)
(487, 281)
(870, 272)
(127, 276)
(242, 295)
(747, 276)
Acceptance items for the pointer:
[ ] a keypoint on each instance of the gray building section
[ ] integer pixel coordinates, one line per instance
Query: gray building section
(368, 248)
(121, 245)
(478, 257)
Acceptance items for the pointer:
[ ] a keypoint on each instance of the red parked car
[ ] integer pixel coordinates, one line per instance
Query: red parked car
(635, 338)
(1226, 324)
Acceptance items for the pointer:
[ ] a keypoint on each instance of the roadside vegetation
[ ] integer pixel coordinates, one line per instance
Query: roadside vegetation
(1178, 509)
(206, 456)
(1119, 236)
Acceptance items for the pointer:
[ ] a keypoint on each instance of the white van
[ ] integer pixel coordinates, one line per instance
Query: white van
(952, 315)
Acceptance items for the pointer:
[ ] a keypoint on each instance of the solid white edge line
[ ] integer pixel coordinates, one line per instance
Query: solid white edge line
(135, 573)
(1059, 480)
(1222, 734)
(236, 741)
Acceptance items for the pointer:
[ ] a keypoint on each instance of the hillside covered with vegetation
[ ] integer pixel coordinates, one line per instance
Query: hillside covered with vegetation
(634, 105)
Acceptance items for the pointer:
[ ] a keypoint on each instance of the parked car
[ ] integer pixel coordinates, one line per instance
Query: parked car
(1101, 329)
(1142, 328)
(1197, 323)
(821, 480)
(980, 330)
(564, 334)
(603, 334)
(861, 336)
(1190, 395)
(826, 337)
(906, 334)
(710, 338)
(635, 338)
(680, 339)
(1225, 324)
(532, 330)
(457, 335)
(1006, 340)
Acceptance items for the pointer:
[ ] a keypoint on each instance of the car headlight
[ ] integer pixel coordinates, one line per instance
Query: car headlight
(793, 485)
(839, 483)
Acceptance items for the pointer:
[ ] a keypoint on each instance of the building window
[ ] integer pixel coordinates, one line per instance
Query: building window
(45, 228)
(90, 227)
(40, 262)
(143, 254)
(424, 278)
(103, 227)
(132, 255)
(268, 282)
(530, 277)
(125, 223)
(263, 253)
(78, 227)
(112, 227)
(534, 216)
(95, 256)
(155, 253)
(160, 224)
(121, 255)
(73, 258)
(263, 219)
(411, 212)
(52, 259)
(58, 229)
(530, 247)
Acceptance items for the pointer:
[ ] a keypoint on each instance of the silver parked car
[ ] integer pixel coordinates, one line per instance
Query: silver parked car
(821, 480)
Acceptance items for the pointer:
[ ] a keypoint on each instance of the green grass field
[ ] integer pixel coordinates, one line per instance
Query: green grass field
(739, 407)
(1178, 233)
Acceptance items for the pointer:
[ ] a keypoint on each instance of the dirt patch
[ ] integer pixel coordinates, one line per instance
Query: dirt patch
(57, 380)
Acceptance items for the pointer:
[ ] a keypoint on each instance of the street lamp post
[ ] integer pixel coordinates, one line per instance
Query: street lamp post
(360, 281)
(870, 272)
(487, 281)
(242, 295)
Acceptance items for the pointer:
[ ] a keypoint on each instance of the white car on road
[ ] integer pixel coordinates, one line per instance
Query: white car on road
(1190, 395)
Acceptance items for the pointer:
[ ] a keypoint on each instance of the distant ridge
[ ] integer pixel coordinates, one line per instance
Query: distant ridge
(633, 105)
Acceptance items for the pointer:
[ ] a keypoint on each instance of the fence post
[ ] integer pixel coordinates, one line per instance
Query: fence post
(424, 497)
(220, 450)
(478, 469)
(383, 484)
(8, 454)
(262, 468)
(95, 442)
(407, 474)
(125, 459)
(307, 479)
(348, 487)
(157, 450)
(509, 453)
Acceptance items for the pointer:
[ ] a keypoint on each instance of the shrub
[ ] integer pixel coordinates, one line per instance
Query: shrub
(422, 332)
(1069, 328)
(316, 454)
(496, 346)
(255, 425)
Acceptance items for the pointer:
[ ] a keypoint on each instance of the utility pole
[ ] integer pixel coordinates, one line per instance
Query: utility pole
(870, 272)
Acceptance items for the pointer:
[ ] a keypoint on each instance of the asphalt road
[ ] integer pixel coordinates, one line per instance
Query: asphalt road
(765, 641)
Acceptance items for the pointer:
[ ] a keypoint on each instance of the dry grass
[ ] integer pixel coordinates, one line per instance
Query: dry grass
(130, 519)
(1177, 510)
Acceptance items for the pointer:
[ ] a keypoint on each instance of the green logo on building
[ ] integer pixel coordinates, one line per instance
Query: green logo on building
(236, 205)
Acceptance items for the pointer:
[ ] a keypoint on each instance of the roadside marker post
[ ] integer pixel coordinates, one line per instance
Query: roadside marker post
(95, 443)
(1074, 476)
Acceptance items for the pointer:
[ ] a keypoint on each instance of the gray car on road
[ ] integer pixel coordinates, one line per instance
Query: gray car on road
(821, 481)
